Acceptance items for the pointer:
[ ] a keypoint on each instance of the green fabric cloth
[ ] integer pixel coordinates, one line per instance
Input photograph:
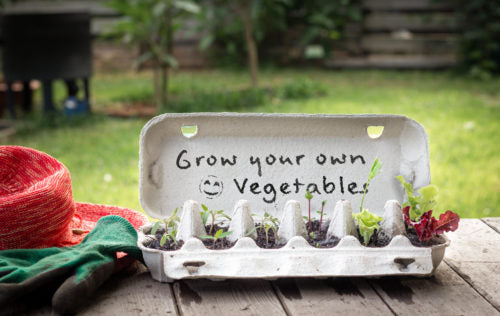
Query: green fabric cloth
(81, 268)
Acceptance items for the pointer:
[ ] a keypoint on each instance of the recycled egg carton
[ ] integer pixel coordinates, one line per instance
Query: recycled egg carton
(264, 163)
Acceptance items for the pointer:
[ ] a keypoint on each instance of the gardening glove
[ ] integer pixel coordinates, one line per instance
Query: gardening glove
(77, 271)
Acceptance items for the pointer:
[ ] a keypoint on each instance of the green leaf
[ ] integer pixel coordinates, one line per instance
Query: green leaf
(375, 169)
(207, 237)
(204, 217)
(204, 207)
(187, 6)
(428, 198)
(221, 234)
(251, 231)
(309, 196)
(367, 223)
(225, 234)
(425, 201)
(163, 239)
(155, 228)
(159, 9)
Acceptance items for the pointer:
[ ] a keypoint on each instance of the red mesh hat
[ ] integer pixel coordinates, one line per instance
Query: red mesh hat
(37, 209)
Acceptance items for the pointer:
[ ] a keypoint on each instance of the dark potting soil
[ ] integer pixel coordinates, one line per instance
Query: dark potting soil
(215, 229)
(375, 240)
(169, 245)
(413, 237)
(319, 240)
(271, 243)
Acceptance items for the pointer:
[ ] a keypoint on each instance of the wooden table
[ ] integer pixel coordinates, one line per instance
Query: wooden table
(467, 282)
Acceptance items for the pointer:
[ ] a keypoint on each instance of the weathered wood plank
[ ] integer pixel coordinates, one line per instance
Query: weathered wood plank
(414, 5)
(474, 253)
(493, 222)
(334, 296)
(231, 297)
(133, 294)
(445, 293)
(422, 22)
(132, 291)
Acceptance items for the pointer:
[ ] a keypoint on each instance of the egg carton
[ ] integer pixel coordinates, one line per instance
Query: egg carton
(297, 258)
(266, 162)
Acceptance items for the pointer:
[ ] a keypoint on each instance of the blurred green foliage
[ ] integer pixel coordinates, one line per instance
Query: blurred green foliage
(480, 39)
(283, 28)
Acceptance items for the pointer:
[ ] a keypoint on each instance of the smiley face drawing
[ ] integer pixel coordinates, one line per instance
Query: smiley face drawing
(211, 187)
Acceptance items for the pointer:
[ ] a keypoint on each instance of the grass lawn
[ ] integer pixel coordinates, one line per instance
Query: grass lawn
(461, 116)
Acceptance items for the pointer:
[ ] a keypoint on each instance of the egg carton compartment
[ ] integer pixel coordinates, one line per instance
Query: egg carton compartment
(297, 258)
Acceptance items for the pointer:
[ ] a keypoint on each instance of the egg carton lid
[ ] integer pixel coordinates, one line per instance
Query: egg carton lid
(267, 159)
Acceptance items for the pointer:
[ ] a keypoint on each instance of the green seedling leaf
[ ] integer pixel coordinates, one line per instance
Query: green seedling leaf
(374, 170)
(428, 198)
(308, 195)
(163, 239)
(204, 217)
(221, 234)
(155, 228)
(251, 231)
(207, 237)
(422, 203)
(204, 207)
(367, 224)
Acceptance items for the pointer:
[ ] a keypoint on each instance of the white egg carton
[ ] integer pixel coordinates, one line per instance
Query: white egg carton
(264, 163)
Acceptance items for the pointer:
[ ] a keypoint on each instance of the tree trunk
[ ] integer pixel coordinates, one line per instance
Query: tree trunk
(165, 67)
(253, 58)
(157, 86)
(163, 88)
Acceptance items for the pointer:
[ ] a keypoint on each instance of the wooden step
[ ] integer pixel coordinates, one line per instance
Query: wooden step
(408, 43)
(382, 61)
(420, 22)
(413, 5)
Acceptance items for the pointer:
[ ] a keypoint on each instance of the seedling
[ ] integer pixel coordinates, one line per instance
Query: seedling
(309, 196)
(218, 235)
(268, 223)
(374, 170)
(417, 212)
(419, 204)
(170, 228)
(214, 215)
(367, 221)
(321, 215)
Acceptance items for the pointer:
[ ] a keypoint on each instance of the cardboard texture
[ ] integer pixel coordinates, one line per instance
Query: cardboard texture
(256, 163)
